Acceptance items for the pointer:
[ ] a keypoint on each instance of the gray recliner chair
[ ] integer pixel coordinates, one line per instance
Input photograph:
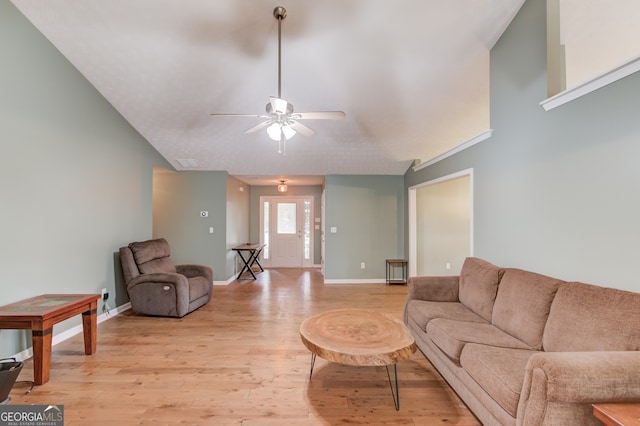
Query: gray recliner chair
(158, 287)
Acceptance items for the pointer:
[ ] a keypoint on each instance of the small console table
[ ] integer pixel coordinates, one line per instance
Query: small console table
(253, 252)
(40, 313)
(391, 265)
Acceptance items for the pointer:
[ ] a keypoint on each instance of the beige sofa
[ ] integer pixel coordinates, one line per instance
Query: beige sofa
(523, 348)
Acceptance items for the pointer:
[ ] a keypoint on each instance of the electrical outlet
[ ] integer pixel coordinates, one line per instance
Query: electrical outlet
(105, 294)
(362, 265)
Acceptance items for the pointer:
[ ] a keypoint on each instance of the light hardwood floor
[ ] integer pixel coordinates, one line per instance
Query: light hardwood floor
(239, 361)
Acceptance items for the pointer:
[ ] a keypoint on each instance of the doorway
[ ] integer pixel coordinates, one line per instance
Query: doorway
(286, 228)
(441, 224)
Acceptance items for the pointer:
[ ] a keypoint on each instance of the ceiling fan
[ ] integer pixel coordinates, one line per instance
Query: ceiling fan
(282, 122)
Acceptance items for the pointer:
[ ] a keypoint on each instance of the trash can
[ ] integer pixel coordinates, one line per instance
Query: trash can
(9, 371)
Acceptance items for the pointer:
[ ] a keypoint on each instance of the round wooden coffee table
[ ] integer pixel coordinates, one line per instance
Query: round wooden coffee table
(360, 337)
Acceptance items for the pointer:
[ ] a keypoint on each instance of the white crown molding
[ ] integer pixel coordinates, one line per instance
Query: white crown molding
(595, 83)
(464, 145)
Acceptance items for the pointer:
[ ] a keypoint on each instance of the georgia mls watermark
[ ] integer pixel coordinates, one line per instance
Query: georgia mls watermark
(31, 415)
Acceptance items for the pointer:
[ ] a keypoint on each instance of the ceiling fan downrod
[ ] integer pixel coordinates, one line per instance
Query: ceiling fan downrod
(279, 13)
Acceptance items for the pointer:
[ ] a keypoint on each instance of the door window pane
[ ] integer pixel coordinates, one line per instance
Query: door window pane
(265, 227)
(287, 218)
(307, 229)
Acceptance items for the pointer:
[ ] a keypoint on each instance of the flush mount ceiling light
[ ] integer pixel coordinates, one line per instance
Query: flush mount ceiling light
(282, 187)
(282, 123)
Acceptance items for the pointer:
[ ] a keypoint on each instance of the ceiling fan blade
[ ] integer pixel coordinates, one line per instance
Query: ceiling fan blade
(301, 128)
(320, 115)
(258, 126)
(238, 115)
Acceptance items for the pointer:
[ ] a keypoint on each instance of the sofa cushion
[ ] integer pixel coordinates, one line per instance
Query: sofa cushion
(479, 281)
(523, 303)
(423, 311)
(499, 371)
(585, 317)
(451, 336)
(153, 256)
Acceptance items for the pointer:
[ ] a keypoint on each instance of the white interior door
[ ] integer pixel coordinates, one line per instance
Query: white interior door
(286, 240)
(286, 228)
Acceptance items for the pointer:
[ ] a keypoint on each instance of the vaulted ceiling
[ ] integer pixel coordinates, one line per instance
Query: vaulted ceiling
(412, 76)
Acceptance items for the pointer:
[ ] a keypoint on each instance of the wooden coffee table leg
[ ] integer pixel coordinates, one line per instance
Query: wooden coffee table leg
(396, 394)
(89, 328)
(41, 340)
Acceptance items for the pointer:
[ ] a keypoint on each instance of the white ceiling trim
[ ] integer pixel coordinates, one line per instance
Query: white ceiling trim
(464, 145)
(601, 80)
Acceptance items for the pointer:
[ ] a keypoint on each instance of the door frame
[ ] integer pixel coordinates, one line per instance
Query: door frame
(413, 215)
(306, 263)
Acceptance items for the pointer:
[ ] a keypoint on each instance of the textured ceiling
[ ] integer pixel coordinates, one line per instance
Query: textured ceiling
(412, 76)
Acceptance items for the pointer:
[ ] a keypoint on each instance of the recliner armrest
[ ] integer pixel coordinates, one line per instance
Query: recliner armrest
(159, 278)
(191, 271)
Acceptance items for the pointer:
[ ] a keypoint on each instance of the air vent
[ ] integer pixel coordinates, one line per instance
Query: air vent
(187, 163)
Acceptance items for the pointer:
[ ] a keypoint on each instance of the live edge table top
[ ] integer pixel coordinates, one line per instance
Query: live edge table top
(360, 337)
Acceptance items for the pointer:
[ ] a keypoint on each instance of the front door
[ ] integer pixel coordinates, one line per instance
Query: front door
(286, 230)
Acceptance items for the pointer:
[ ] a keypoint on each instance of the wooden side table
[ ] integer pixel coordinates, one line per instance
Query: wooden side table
(253, 257)
(40, 313)
(391, 265)
(618, 414)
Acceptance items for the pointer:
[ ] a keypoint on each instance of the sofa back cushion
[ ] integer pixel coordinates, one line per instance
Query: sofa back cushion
(585, 317)
(523, 303)
(479, 281)
(153, 256)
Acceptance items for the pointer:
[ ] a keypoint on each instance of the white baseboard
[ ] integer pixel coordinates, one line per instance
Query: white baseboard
(227, 282)
(67, 334)
(350, 281)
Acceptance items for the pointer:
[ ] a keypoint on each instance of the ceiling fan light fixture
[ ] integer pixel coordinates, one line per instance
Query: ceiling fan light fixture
(282, 187)
(277, 130)
(274, 131)
(288, 131)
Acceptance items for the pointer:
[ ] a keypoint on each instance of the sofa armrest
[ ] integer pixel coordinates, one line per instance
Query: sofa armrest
(557, 379)
(436, 289)
(191, 271)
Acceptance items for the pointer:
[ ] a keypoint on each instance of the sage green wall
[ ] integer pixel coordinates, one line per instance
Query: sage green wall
(314, 191)
(237, 221)
(178, 199)
(368, 212)
(75, 180)
(555, 192)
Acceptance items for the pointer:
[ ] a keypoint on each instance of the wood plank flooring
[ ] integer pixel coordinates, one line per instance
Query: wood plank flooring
(239, 361)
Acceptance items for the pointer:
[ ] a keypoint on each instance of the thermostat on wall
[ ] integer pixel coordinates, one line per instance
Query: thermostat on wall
(204, 213)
